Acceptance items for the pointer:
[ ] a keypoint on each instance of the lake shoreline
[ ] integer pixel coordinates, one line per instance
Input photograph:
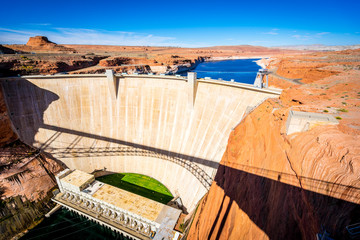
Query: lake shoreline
(242, 70)
(216, 59)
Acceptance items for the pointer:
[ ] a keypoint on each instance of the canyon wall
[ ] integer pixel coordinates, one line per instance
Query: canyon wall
(149, 124)
(26, 178)
(271, 185)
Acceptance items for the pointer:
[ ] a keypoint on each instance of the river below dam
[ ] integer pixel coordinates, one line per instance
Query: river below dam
(67, 225)
(241, 70)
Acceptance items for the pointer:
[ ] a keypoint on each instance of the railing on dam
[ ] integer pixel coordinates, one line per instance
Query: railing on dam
(250, 87)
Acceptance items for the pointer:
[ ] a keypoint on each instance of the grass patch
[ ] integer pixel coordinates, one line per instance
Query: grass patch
(338, 118)
(139, 184)
(342, 110)
(326, 111)
(343, 103)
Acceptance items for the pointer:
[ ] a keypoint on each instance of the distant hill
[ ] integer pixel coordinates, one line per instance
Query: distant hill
(40, 44)
(319, 47)
(5, 50)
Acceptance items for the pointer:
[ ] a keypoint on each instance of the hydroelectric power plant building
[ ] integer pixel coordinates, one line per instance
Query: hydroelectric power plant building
(130, 214)
(173, 129)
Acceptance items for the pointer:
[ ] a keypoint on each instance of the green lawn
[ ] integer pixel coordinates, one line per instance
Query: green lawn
(139, 184)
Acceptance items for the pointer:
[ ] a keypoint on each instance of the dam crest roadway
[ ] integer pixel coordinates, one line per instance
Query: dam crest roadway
(171, 128)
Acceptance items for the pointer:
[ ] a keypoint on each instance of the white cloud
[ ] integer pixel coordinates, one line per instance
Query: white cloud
(271, 33)
(257, 42)
(14, 31)
(87, 36)
(302, 37)
(308, 36)
(38, 24)
(322, 33)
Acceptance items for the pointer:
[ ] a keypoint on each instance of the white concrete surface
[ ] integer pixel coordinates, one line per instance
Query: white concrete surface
(148, 128)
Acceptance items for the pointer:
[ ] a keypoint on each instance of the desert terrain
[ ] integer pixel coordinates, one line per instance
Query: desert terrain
(41, 56)
(269, 184)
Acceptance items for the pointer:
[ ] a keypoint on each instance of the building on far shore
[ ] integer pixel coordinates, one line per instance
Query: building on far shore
(132, 215)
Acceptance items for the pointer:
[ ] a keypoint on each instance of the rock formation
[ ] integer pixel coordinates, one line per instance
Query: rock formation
(26, 178)
(41, 44)
(275, 186)
(169, 60)
(28, 64)
(39, 41)
(6, 50)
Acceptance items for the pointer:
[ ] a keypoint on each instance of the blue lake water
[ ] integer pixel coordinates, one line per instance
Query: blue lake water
(241, 70)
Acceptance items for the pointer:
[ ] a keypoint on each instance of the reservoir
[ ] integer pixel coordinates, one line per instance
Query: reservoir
(241, 70)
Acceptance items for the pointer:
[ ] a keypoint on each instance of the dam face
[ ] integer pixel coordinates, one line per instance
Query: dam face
(172, 129)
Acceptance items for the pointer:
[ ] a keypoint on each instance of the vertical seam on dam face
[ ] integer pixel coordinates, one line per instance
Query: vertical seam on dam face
(140, 124)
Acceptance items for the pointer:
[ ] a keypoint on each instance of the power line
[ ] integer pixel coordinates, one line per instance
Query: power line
(51, 225)
(74, 232)
(57, 230)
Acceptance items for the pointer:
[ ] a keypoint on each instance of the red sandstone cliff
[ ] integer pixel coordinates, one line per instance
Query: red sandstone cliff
(273, 186)
(27, 64)
(41, 44)
(7, 134)
(26, 178)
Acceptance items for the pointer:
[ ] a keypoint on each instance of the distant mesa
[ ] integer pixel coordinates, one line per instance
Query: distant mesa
(41, 44)
(39, 41)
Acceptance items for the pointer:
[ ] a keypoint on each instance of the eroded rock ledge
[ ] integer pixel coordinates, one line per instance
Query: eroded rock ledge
(26, 180)
(270, 185)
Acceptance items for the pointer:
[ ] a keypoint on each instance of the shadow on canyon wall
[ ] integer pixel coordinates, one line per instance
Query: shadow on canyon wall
(125, 148)
(280, 210)
(27, 104)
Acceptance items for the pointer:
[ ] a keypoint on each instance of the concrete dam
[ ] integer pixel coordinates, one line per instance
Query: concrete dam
(173, 129)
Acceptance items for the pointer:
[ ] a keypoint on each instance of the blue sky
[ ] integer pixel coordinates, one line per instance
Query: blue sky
(183, 23)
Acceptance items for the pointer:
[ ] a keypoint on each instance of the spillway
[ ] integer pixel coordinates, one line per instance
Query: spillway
(173, 129)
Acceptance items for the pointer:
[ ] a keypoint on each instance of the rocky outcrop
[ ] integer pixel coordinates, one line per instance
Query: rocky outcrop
(270, 185)
(114, 61)
(41, 44)
(39, 41)
(162, 64)
(6, 50)
(26, 180)
(129, 69)
(7, 133)
(28, 64)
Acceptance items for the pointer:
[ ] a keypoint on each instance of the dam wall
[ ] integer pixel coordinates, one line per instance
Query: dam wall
(166, 127)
